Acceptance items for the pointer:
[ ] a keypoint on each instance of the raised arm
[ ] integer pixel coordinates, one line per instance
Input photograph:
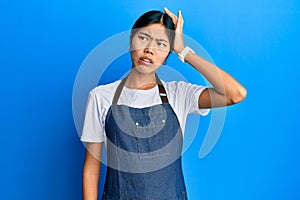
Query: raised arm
(225, 91)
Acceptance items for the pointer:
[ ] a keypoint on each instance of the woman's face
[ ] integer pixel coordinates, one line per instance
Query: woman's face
(150, 47)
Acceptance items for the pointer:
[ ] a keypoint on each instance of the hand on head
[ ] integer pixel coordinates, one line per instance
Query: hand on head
(178, 21)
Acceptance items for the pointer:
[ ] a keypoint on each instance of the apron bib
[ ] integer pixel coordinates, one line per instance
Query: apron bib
(143, 152)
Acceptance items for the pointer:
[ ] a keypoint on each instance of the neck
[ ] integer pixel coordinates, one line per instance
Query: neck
(140, 81)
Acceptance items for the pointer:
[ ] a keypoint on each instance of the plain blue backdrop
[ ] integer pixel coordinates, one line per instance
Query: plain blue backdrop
(43, 44)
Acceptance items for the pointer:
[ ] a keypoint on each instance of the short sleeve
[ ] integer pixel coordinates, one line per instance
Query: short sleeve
(192, 93)
(93, 127)
(195, 105)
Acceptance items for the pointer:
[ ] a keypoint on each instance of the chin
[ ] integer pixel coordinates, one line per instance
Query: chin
(145, 69)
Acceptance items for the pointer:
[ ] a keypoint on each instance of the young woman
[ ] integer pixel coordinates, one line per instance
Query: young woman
(141, 118)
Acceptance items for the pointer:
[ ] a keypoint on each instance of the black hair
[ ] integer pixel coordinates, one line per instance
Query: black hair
(155, 17)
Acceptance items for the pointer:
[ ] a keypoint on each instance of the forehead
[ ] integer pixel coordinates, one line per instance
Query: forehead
(155, 30)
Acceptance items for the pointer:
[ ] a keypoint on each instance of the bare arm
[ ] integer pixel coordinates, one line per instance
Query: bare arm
(91, 171)
(226, 90)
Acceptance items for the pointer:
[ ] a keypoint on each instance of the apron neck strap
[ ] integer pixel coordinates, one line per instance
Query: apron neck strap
(162, 91)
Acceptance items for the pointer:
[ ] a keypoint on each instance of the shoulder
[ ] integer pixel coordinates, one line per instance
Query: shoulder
(177, 85)
(105, 89)
(180, 84)
(182, 89)
(104, 93)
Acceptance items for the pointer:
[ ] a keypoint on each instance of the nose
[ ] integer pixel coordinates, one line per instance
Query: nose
(149, 48)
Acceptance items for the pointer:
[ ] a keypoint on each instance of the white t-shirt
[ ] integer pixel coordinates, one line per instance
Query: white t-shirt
(182, 96)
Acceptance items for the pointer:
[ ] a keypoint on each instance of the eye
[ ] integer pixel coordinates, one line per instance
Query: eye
(162, 44)
(143, 38)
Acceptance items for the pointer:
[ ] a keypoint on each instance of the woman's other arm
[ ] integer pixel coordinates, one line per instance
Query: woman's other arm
(91, 171)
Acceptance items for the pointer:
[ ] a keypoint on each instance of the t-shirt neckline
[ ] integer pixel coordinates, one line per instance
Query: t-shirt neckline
(151, 90)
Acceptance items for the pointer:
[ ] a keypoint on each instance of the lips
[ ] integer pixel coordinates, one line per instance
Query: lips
(146, 60)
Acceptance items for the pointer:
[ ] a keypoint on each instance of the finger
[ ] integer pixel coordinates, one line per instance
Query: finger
(179, 21)
(172, 15)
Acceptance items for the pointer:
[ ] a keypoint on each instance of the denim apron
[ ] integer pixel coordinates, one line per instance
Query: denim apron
(143, 151)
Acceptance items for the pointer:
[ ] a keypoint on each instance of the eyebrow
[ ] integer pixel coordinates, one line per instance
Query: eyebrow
(148, 35)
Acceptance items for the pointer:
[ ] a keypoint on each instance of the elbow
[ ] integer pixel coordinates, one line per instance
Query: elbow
(239, 96)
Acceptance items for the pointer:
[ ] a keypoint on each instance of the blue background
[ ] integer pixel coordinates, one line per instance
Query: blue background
(43, 44)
